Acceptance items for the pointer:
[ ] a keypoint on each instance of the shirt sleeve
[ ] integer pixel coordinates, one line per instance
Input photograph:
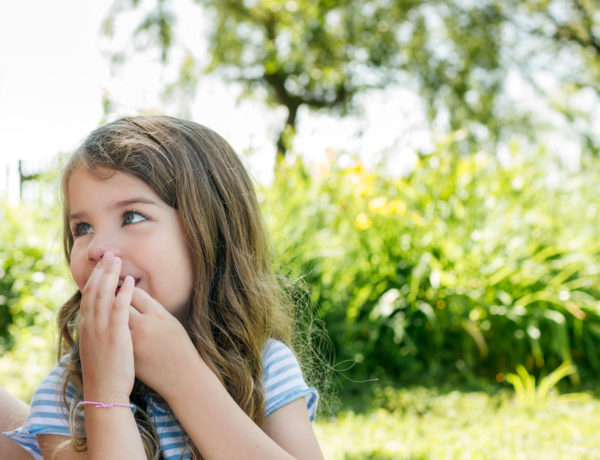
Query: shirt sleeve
(283, 381)
(47, 414)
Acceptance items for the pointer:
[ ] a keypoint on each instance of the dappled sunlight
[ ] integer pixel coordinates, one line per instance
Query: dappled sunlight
(421, 423)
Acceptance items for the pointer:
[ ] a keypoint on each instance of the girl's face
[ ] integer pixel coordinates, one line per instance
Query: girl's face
(120, 213)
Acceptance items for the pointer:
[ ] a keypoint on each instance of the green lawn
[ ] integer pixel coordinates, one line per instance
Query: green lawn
(427, 424)
(418, 423)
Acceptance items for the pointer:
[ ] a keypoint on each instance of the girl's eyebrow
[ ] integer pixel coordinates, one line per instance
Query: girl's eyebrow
(135, 200)
(119, 205)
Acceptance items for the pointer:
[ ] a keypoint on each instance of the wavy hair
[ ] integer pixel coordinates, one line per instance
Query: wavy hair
(237, 302)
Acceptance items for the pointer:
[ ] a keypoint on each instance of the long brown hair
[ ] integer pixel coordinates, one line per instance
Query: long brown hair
(236, 302)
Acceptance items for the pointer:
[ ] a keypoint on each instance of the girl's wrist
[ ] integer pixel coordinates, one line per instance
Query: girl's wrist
(198, 373)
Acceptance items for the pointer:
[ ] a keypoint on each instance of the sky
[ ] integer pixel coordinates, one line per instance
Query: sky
(54, 71)
(51, 78)
(50, 72)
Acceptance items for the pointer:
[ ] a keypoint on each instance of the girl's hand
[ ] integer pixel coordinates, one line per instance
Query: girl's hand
(105, 341)
(161, 345)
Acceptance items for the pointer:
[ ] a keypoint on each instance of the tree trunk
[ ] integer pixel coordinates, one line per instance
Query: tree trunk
(284, 141)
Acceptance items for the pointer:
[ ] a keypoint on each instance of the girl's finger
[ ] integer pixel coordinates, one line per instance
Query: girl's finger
(90, 291)
(123, 300)
(134, 317)
(143, 302)
(107, 286)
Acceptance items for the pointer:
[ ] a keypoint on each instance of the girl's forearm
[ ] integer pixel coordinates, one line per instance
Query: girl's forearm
(12, 414)
(112, 433)
(217, 426)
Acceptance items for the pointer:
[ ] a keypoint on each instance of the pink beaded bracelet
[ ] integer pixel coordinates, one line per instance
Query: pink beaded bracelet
(133, 407)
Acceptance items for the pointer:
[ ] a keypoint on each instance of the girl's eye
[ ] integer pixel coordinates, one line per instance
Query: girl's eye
(132, 217)
(81, 229)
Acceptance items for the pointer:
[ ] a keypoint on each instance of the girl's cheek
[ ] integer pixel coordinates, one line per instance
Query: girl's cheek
(78, 274)
(78, 281)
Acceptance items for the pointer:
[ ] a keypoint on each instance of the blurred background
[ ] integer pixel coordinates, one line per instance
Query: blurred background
(429, 169)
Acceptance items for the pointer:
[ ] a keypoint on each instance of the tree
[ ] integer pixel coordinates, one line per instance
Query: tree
(456, 54)
(560, 38)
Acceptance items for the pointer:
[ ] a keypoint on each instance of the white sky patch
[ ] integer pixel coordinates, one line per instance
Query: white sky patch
(50, 79)
(54, 71)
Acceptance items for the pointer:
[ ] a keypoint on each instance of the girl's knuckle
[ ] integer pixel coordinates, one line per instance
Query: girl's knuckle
(99, 295)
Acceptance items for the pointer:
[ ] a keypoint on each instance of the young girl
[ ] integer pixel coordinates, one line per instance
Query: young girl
(176, 343)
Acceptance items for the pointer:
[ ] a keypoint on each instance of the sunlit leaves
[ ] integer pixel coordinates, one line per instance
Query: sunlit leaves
(33, 284)
(463, 262)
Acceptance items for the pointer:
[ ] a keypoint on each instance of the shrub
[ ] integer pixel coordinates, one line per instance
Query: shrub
(33, 283)
(466, 264)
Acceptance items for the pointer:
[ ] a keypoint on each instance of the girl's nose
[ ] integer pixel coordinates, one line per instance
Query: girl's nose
(100, 245)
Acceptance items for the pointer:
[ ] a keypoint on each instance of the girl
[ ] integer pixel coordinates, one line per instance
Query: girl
(176, 343)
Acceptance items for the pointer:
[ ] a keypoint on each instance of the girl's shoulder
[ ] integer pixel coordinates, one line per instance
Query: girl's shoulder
(277, 357)
(283, 380)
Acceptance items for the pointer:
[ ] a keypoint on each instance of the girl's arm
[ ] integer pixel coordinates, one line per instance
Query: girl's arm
(12, 414)
(107, 364)
(291, 428)
(110, 435)
(220, 429)
(166, 360)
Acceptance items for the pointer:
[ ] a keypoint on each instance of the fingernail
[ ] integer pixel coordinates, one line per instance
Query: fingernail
(128, 279)
(115, 260)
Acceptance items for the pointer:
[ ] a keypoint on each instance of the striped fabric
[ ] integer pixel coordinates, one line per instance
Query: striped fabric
(282, 379)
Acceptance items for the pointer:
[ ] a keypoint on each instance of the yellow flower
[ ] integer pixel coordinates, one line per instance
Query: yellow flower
(379, 206)
(362, 221)
(366, 189)
(357, 168)
(360, 180)
(396, 206)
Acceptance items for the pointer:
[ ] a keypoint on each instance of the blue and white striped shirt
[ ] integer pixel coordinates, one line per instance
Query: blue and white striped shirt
(283, 383)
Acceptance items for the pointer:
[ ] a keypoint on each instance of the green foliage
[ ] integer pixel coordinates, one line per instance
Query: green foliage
(465, 265)
(525, 387)
(320, 54)
(33, 283)
(425, 423)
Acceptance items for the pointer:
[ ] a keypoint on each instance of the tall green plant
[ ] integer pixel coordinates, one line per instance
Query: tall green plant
(464, 264)
(533, 395)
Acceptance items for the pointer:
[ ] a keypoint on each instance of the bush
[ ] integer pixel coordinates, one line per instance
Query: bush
(33, 283)
(465, 265)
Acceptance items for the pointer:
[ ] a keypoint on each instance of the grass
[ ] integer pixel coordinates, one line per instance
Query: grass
(421, 423)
